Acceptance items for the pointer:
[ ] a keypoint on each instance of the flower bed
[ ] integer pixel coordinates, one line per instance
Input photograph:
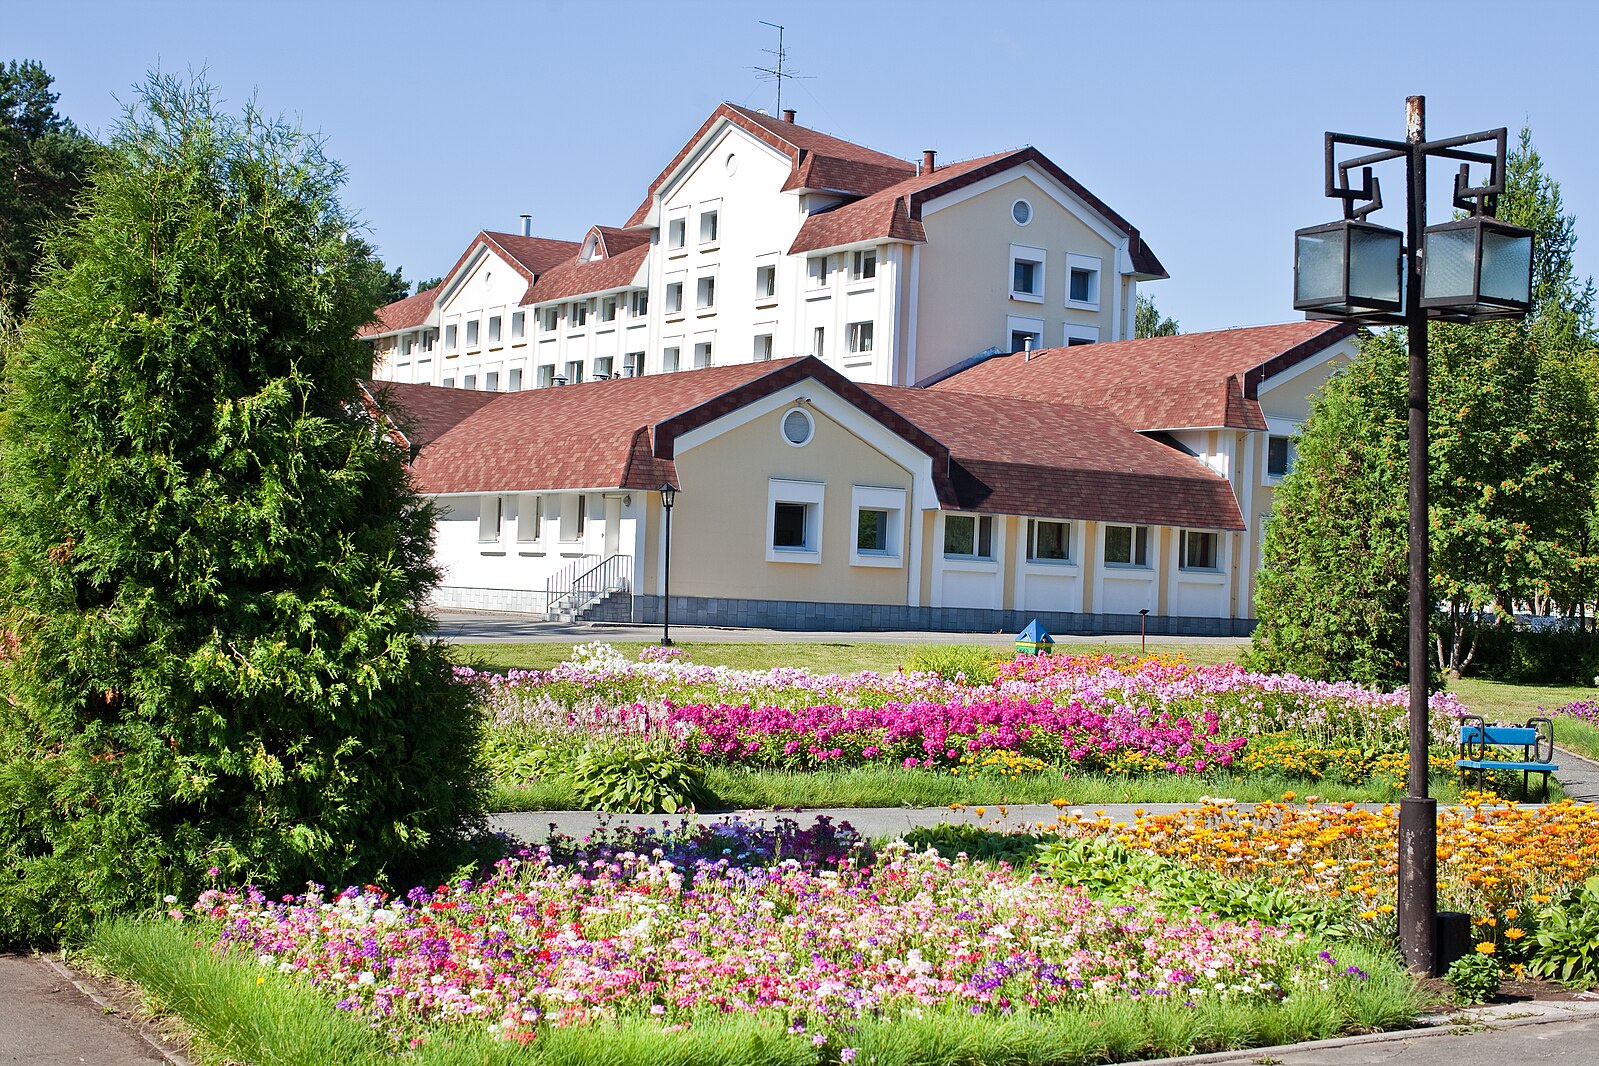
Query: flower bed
(799, 929)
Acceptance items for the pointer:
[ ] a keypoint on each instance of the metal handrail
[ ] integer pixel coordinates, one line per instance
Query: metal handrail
(559, 584)
(612, 574)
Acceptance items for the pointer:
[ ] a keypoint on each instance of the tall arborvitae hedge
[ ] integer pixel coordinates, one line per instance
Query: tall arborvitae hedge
(211, 565)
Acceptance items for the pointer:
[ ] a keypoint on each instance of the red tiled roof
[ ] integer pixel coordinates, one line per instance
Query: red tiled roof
(895, 212)
(572, 278)
(614, 241)
(534, 255)
(407, 313)
(1190, 381)
(840, 165)
(424, 413)
(1026, 457)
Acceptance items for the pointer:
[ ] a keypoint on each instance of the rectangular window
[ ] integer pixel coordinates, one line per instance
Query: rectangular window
(816, 268)
(494, 329)
(574, 371)
(969, 536)
(552, 318)
(670, 358)
(641, 304)
(1049, 542)
(469, 382)
(1023, 340)
(608, 309)
(1279, 456)
(863, 265)
(491, 381)
(489, 515)
(546, 375)
(529, 518)
(819, 342)
(574, 516)
(879, 526)
(702, 355)
(1024, 277)
(579, 315)
(407, 344)
(1127, 545)
(518, 325)
(516, 379)
(471, 334)
(708, 227)
(1198, 551)
(449, 337)
(602, 368)
(676, 233)
(766, 282)
(871, 530)
(860, 338)
(788, 525)
(674, 298)
(705, 293)
(763, 347)
(632, 363)
(1082, 285)
(1027, 273)
(448, 383)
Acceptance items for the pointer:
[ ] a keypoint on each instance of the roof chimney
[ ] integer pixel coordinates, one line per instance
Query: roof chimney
(928, 156)
(527, 225)
(788, 115)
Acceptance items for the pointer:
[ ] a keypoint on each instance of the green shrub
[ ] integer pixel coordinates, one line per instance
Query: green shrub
(211, 561)
(642, 781)
(1568, 938)
(975, 842)
(1474, 978)
(1561, 655)
(972, 663)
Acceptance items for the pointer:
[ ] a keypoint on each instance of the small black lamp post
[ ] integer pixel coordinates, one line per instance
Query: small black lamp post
(668, 497)
(1143, 628)
(1470, 270)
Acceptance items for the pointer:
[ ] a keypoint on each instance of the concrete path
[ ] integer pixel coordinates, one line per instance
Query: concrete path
(51, 1017)
(1579, 776)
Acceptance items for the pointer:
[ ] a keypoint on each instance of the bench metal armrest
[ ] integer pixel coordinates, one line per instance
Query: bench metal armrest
(1544, 749)
(1473, 737)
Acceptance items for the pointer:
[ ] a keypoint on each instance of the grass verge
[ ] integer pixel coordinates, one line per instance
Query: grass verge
(822, 657)
(1498, 701)
(1580, 737)
(877, 786)
(244, 1013)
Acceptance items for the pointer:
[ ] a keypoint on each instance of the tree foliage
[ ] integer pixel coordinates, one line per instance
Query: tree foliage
(1513, 455)
(44, 162)
(1147, 321)
(211, 565)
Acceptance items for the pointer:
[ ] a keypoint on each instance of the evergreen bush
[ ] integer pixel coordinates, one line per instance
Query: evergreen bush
(211, 562)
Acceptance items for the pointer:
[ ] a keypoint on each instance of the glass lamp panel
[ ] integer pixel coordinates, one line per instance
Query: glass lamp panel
(1507, 266)
(1318, 267)
(1373, 266)
(1451, 267)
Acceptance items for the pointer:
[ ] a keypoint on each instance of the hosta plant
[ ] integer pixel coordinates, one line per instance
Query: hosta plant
(639, 781)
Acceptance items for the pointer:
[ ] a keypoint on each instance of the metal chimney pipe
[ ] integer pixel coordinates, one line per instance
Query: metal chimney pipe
(527, 225)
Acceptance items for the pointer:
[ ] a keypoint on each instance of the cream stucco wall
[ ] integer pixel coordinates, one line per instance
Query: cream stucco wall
(963, 301)
(719, 526)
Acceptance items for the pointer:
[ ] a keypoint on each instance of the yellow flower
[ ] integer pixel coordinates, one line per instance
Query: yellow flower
(1485, 948)
(1514, 934)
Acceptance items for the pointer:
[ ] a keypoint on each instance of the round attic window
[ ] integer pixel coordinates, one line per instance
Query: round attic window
(730, 164)
(798, 427)
(1022, 212)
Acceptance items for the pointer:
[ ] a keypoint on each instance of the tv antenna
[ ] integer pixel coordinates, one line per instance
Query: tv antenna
(776, 72)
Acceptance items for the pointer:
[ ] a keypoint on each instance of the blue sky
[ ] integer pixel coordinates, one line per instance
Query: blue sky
(1201, 123)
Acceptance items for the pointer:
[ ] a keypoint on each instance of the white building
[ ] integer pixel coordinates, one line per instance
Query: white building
(764, 239)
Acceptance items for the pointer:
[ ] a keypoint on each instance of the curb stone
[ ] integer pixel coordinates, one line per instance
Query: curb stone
(1494, 1017)
(159, 1046)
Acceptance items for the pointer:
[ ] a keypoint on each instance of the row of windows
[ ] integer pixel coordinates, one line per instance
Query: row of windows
(568, 510)
(709, 229)
(605, 308)
(972, 537)
(1027, 267)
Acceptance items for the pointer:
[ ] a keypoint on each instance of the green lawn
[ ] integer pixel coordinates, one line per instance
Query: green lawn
(843, 657)
(1501, 702)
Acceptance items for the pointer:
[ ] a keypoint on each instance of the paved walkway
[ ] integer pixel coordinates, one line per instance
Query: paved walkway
(1579, 776)
(49, 1017)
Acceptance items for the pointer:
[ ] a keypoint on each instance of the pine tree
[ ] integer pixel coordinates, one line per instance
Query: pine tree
(211, 564)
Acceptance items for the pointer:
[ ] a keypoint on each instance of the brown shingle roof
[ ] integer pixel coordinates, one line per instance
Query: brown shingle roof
(840, 165)
(614, 241)
(1190, 381)
(403, 314)
(424, 413)
(573, 278)
(534, 255)
(1026, 457)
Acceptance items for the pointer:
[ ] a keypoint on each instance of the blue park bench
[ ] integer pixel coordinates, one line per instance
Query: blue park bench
(1479, 741)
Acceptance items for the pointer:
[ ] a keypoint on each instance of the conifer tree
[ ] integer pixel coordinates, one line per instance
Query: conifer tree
(211, 562)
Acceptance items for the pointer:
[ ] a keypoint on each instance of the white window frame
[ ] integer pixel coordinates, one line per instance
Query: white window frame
(819, 341)
(578, 317)
(704, 352)
(710, 216)
(674, 287)
(574, 517)
(863, 264)
(608, 309)
(602, 366)
(472, 335)
(518, 325)
(818, 272)
(529, 518)
(978, 522)
(677, 232)
(762, 347)
(491, 381)
(1033, 558)
(765, 293)
(859, 333)
(809, 494)
(1290, 454)
(1075, 334)
(1039, 257)
(452, 336)
(490, 519)
(641, 303)
(875, 498)
(1215, 551)
(469, 382)
(672, 355)
(574, 371)
(544, 376)
(1138, 534)
(514, 380)
(1014, 325)
(495, 330)
(705, 293)
(1095, 267)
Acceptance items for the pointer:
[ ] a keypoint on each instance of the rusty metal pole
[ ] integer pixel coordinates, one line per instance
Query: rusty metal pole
(1418, 813)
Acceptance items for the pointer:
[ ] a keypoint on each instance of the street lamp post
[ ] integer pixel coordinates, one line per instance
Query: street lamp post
(1470, 270)
(668, 497)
